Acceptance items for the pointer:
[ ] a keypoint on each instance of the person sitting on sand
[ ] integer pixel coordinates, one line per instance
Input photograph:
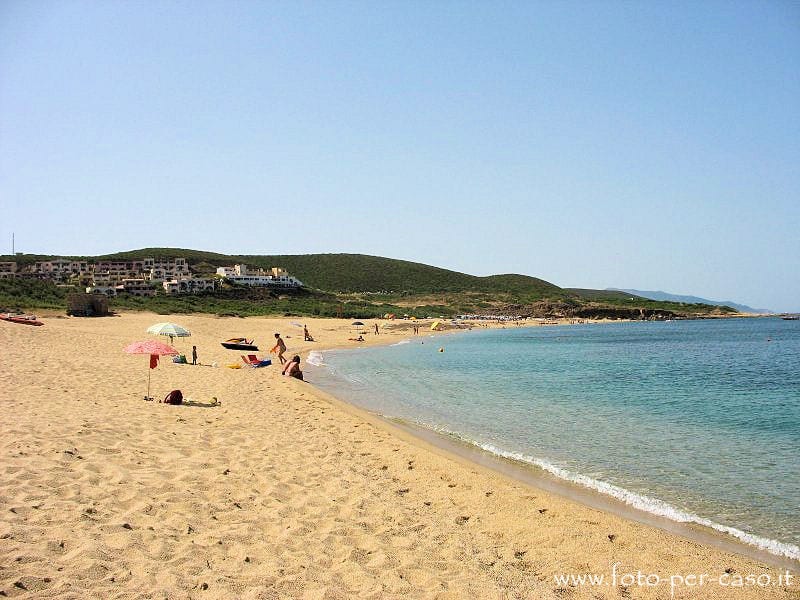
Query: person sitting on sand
(307, 336)
(292, 368)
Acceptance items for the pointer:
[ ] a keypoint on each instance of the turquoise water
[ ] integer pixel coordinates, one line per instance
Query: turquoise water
(693, 420)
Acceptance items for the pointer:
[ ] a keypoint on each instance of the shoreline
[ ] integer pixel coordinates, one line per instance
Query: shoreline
(540, 479)
(279, 488)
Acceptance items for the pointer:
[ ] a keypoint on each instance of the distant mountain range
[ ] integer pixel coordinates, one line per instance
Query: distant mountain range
(666, 297)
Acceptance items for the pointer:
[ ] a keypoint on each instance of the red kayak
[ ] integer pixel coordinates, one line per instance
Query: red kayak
(21, 319)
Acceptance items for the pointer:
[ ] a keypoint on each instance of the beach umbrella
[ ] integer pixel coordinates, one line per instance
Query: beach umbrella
(357, 324)
(171, 329)
(435, 326)
(154, 349)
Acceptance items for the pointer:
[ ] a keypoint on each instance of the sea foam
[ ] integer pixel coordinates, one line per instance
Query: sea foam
(315, 358)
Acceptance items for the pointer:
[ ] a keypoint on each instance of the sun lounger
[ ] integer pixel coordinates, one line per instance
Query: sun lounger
(254, 361)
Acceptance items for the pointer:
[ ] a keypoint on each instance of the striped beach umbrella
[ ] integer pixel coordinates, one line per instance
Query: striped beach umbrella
(171, 329)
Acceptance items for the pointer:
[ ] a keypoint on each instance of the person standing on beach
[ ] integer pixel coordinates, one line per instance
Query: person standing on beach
(376, 329)
(194, 355)
(279, 347)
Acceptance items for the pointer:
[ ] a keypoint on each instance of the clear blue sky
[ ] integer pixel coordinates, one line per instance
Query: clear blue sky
(594, 144)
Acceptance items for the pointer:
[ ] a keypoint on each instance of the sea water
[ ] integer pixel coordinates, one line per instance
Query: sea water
(697, 421)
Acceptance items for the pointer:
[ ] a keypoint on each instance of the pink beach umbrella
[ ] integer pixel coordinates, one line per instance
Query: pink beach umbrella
(154, 349)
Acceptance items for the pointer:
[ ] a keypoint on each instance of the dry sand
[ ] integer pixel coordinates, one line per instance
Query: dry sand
(279, 492)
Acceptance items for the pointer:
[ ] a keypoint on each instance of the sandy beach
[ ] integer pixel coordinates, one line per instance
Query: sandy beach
(264, 487)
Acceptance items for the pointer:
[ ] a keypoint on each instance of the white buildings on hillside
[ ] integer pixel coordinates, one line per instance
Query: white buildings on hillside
(62, 268)
(141, 277)
(193, 285)
(275, 277)
(113, 271)
(151, 269)
(8, 270)
(108, 290)
(136, 287)
(161, 270)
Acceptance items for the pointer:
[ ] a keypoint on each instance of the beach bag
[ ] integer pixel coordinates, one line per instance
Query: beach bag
(174, 397)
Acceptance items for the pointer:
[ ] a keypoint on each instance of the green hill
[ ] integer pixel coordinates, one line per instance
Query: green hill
(360, 273)
(360, 285)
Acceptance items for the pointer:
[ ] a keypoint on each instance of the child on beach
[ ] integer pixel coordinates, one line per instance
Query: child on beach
(279, 347)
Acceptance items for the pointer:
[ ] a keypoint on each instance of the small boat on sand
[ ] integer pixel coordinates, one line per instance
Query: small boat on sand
(21, 319)
(239, 344)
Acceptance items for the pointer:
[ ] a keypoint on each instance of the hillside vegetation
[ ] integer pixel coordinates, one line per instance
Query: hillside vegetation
(360, 273)
(621, 298)
(359, 285)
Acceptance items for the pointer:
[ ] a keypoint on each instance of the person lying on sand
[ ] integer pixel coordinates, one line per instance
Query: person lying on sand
(292, 368)
(358, 339)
